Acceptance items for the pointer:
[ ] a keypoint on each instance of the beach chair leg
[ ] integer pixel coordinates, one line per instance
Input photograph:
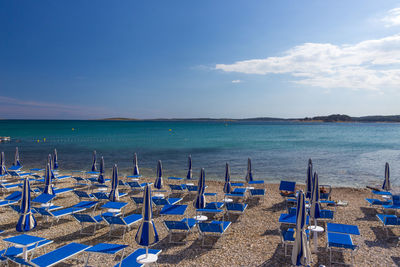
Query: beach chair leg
(87, 260)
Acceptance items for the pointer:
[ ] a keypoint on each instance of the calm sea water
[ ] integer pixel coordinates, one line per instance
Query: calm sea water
(349, 154)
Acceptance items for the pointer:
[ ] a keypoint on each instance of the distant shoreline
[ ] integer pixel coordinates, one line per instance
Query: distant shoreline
(337, 118)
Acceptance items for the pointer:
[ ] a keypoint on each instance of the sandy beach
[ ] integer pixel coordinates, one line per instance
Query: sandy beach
(253, 238)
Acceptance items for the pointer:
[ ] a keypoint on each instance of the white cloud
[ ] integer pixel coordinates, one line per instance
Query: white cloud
(370, 64)
(236, 81)
(392, 18)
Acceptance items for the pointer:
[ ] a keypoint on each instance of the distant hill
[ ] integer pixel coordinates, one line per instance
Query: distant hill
(346, 118)
(329, 118)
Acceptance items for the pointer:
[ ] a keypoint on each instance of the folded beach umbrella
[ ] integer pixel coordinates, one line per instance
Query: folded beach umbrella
(94, 164)
(26, 220)
(48, 187)
(301, 255)
(135, 165)
(3, 170)
(16, 163)
(50, 162)
(200, 201)
(101, 179)
(55, 160)
(249, 175)
(309, 179)
(189, 173)
(147, 232)
(114, 194)
(227, 185)
(386, 182)
(315, 206)
(159, 182)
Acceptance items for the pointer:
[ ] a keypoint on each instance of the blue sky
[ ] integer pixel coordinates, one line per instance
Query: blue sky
(238, 59)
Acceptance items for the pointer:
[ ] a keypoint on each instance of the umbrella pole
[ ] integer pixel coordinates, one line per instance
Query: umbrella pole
(147, 252)
(315, 236)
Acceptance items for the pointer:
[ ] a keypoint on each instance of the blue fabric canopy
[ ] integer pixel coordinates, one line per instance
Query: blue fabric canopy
(114, 194)
(26, 220)
(200, 201)
(16, 163)
(227, 185)
(3, 170)
(315, 211)
(101, 179)
(309, 179)
(386, 182)
(55, 160)
(147, 232)
(189, 173)
(94, 164)
(301, 250)
(159, 182)
(249, 175)
(135, 165)
(48, 187)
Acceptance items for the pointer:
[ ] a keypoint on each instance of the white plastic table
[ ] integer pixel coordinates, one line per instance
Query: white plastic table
(316, 229)
(228, 200)
(147, 259)
(102, 189)
(200, 218)
(159, 195)
(114, 211)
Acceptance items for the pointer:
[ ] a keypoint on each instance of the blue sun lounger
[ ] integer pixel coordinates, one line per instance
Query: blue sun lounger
(83, 194)
(177, 188)
(173, 210)
(107, 249)
(57, 214)
(8, 186)
(378, 202)
(56, 256)
(13, 251)
(235, 208)
(138, 201)
(191, 188)
(395, 203)
(130, 260)
(62, 191)
(104, 196)
(214, 228)
(287, 189)
(387, 221)
(339, 241)
(185, 226)
(83, 218)
(288, 237)
(257, 193)
(126, 222)
(290, 218)
(11, 199)
(161, 201)
(136, 186)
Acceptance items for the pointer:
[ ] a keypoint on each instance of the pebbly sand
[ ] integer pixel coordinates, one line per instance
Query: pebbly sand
(253, 238)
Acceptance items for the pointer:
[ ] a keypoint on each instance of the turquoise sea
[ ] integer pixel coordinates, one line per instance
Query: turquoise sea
(351, 154)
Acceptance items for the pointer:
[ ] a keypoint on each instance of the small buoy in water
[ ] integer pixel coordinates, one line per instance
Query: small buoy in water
(38, 141)
(170, 130)
(44, 139)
